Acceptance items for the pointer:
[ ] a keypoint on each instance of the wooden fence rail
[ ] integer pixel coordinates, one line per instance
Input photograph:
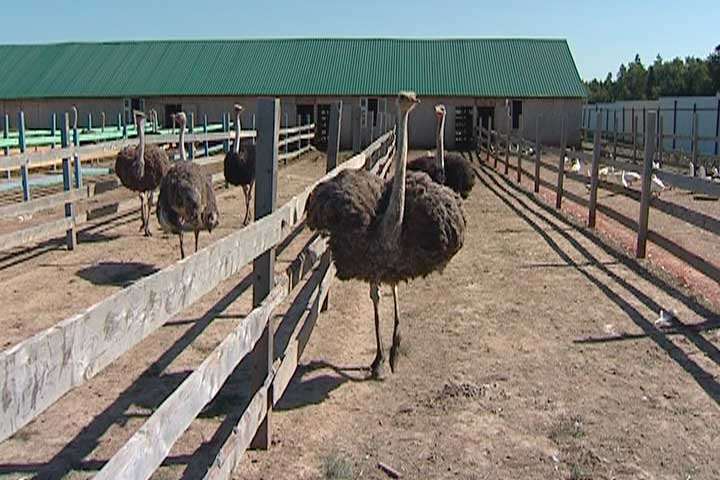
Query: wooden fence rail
(647, 169)
(39, 370)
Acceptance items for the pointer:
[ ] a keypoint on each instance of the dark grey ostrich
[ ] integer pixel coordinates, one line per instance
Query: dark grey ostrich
(187, 200)
(451, 170)
(141, 170)
(388, 232)
(239, 165)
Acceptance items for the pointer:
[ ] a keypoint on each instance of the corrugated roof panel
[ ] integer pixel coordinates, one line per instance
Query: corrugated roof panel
(459, 67)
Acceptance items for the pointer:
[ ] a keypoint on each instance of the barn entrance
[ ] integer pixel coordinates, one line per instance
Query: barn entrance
(464, 127)
(170, 110)
(485, 115)
(322, 126)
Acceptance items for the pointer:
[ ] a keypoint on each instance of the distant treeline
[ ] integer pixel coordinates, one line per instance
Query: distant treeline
(675, 78)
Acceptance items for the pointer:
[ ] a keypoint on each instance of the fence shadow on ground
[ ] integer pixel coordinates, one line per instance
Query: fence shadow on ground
(118, 274)
(512, 196)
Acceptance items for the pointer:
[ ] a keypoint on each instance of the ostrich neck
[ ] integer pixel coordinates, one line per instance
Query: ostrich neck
(183, 156)
(392, 221)
(440, 152)
(236, 147)
(141, 147)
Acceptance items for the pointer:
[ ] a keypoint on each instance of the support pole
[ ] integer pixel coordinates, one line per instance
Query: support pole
(615, 131)
(53, 129)
(538, 147)
(356, 120)
(561, 162)
(650, 131)
(335, 127)
(594, 181)
(507, 150)
(70, 234)
(21, 143)
(634, 138)
(695, 143)
(206, 144)
(226, 128)
(268, 110)
(191, 128)
(660, 140)
(489, 138)
(77, 165)
(6, 133)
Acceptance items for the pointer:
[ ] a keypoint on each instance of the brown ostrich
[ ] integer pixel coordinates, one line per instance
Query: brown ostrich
(239, 165)
(141, 170)
(187, 200)
(451, 170)
(388, 232)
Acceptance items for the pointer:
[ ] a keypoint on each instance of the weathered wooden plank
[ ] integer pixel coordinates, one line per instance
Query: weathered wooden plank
(295, 154)
(650, 128)
(42, 203)
(300, 128)
(148, 447)
(333, 147)
(594, 172)
(39, 370)
(538, 155)
(561, 164)
(34, 234)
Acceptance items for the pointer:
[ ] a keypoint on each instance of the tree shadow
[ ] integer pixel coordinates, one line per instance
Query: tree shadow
(118, 274)
(702, 377)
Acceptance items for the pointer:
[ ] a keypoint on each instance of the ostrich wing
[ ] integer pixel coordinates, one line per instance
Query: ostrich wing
(459, 174)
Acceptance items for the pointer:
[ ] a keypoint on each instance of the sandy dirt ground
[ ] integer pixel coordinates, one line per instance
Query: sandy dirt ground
(533, 356)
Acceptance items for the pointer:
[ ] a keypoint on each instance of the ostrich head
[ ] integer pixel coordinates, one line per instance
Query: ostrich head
(406, 101)
(211, 220)
(75, 116)
(139, 119)
(238, 108)
(181, 118)
(440, 111)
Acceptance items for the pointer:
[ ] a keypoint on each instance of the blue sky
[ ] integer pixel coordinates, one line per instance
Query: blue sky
(601, 34)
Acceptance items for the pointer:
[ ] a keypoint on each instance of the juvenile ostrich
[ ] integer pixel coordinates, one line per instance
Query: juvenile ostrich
(451, 170)
(388, 232)
(141, 170)
(187, 200)
(239, 165)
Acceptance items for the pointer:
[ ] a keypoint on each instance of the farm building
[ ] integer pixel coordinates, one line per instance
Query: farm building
(510, 81)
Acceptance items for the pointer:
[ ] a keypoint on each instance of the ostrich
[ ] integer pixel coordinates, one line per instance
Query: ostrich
(239, 165)
(141, 170)
(450, 170)
(388, 232)
(187, 200)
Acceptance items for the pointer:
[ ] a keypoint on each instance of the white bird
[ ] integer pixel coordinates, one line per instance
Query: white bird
(692, 170)
(702, 173)
(576, 165)
(605, 172)
(666, 319)
(715, 172)
(656, 165)
(656, 185)
(530, 152)
(628, 178)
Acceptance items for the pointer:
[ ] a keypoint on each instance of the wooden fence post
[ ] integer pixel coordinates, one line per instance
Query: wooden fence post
(77, 164)
(206, 144)
(70, 234)
(21, 143)
(634, 138)
(335, 127)
(489, 138)
(561, 163)
(538, 147)
(507, 149)
(356, 122)
(102, 119)
(89, 121)
(650, 131)
(119, 122)
(497, 147)
(660, 140)
(254, 140)
(594, 180)
(191, 128)
(226, 128)
(695, 143)
(519, 158)
(53, 128)
(6, 133)
(372, 127)
(268, 110)
(615, 131)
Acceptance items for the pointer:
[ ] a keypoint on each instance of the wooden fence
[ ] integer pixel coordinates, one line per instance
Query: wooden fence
(500, 146)
(74, 192)
(39, 370)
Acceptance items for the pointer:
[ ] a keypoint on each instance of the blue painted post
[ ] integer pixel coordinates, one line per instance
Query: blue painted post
(124, 127)
(119, 122)
(53, 129)
(191, 150)
(102, 125)
(226, 128)
(205, 131)
(6, 132)
(89, 121)
(21, 144)
(70, 234)
(78, 167)
(253, 127)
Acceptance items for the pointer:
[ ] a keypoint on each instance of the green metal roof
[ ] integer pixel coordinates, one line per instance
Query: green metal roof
(457, 67)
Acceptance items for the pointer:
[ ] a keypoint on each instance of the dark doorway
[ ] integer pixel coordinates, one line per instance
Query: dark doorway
(322, 127)
(306, 114)
(484, 117)
(170, 110)
(463, 127)
(516, 112)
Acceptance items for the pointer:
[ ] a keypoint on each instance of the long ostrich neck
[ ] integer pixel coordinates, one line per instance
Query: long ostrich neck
(141, 147)
(440, 152)
(392, 221)
(183, 156)
(236, 147)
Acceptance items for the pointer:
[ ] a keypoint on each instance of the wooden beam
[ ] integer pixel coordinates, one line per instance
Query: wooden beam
(42, 203)
(264, 265)
(538, 155)
(592, 209)
(561, 164)
(34, 234)
(335, 127)
(650, 130)
(148, 447)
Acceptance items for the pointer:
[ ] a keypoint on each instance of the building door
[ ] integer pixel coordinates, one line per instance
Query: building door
(485, 116)
(322, 127)
(306, 114)
(464, 127)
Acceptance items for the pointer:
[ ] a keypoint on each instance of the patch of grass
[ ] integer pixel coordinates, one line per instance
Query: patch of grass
(568, 428)
(578, 473)
(337, 466)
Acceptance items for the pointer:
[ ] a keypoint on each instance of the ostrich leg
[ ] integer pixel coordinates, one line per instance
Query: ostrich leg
(147, 214)
(394, 350)
(378, 365)
(197, 234)
(247, 189)
(142, 211)
(182, 246)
